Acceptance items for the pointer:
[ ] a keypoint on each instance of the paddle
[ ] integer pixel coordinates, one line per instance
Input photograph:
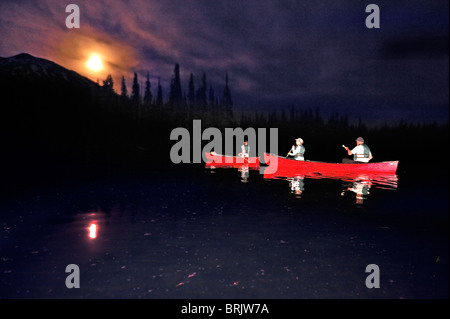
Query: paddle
(290, 151)
(346, 148)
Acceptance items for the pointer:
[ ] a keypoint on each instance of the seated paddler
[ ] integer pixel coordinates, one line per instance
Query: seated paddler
(298, 151)
(245, 150)
(361, 152)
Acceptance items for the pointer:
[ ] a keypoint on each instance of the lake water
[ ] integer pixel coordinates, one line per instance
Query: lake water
(196, 232)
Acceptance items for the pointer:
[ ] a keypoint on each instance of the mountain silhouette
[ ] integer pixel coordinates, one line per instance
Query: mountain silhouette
(26, 67)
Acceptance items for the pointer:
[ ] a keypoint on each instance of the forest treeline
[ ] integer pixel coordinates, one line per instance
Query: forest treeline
(49, 123)
(195, 101)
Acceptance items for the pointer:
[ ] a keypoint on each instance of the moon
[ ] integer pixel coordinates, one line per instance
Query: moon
(95, 63)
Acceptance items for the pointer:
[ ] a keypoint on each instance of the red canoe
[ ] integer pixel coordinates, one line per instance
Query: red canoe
(282, 166)
(225, 160)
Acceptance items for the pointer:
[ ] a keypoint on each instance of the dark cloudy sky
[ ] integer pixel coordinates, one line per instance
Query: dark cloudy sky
(277, 52)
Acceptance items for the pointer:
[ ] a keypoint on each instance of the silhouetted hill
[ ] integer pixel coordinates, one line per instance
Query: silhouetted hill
(27, 68)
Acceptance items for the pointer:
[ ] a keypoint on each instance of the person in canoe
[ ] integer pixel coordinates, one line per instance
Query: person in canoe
(298, 151)
(245, 150)
(361, 152)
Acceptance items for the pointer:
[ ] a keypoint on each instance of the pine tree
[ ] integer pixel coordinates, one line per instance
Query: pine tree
(226, 97)
(191, 91)
(123, 89)
(176, 95)
(148, 94)
(159, 96)
(211, 96)
(201, 92)
(135, 93)
(108, 84)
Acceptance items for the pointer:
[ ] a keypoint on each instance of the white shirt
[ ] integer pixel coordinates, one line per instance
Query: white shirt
(244, 153)
(359, 151)
(296, 153)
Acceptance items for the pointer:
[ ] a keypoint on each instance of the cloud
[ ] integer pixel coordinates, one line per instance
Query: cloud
(75, 48)
(28, 27)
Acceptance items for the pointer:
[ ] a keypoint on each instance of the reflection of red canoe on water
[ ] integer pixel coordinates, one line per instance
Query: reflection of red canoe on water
(290, 167)
(225, 160)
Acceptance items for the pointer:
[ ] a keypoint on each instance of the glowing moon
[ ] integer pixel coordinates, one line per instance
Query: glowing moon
(94, 63)
(92, 230)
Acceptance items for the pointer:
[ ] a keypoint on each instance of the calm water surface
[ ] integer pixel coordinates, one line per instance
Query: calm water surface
(195, 232)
